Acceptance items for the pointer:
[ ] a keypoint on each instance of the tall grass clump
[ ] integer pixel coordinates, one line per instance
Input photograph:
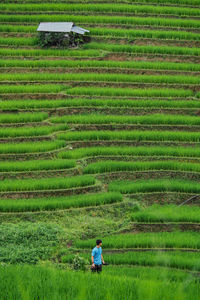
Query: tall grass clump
(167, 213)
(117, 166)
(46, 183)
(136, 135)
(67, 284)
(48, 52)
(83, 102)
(23, 117)
(30, 131)
(158, 185)
(38, 204)
(154, 119)
(154, 65)
(174, 259)
(25, 147)
(187, 239)
(130, 151)
(96, 77)
(99, 8)
(42, 88)
(105, 91)
(32, 165)
(103, 19)
(143, 49)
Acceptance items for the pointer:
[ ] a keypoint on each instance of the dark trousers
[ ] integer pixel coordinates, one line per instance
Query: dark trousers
(96, 268)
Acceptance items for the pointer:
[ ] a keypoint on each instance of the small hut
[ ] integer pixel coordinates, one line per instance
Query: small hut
(61, 34)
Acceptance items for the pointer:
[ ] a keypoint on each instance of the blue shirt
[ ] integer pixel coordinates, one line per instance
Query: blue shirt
(96, 253)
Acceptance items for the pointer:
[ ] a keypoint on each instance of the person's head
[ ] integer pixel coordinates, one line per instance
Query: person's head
(99, 243)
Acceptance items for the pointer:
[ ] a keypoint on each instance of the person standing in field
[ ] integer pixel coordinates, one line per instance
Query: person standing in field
(97, 257)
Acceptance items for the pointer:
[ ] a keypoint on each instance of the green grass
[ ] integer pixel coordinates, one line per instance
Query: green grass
(143, 65)
(143, 272)
(96, 77)
(105, 91)
(90, 103)
(48, 52)
(175, 259)
(78, 285)
(143, 33)
(116, 119)
(143, 49)
(187, 239)
(42, 88)
(39, 204)
(23, 117)
(33, 165)
(173, 2)
(136, 135)
(103, 19)
(167, 213)
(118, 166)
(154, 185)
(31, 131)
(46, 183)
(130, 151)
(24, 147)
(99, 8)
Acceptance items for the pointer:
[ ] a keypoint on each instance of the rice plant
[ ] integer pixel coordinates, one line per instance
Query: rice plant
(116, 119)
(144, 33)
(115, 92)
(158, 185)
(136, 135)
(167, 213)
(46, 183)
(23, 117)
(173, 2)
(37, 204)
(173, 259)
(117, 166)
(89, 103)
(103, 19)
(171, 79)
(105, 8)
(42, 88)
(73, 285)
(25, 147)
(143, 49)
(31, 131)
(130, 151)
(157, 65)
(48, 52)
(98, 103)
(33, 165)
(187, 239)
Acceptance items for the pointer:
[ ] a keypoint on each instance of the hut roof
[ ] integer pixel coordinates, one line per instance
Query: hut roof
(61, 27)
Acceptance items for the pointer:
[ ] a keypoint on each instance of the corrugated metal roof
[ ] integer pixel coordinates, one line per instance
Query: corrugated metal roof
(79, 30)
(55, 26)
(60, 27)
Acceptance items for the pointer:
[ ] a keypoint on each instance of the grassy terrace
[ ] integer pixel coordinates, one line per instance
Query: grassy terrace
(138, 65)
(162, 185)
(147, 240)
(168, 213)
(100, 78)
(99, 103)
(100, 141)
(52, 203)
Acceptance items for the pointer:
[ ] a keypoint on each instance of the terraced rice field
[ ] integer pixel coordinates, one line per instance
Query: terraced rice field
(101, 141)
